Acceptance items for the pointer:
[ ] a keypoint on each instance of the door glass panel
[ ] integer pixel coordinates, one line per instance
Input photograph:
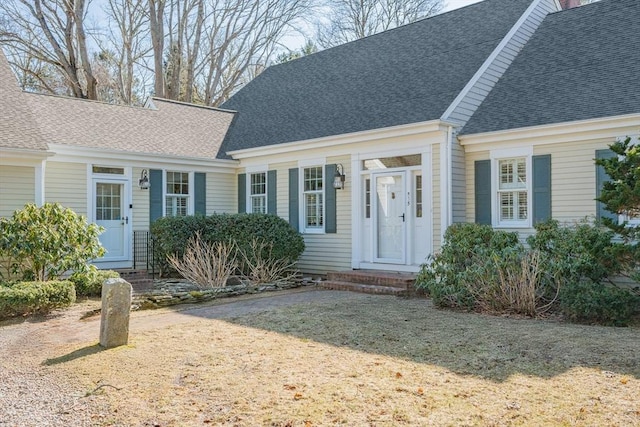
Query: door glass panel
(390, 217)
(108, 202)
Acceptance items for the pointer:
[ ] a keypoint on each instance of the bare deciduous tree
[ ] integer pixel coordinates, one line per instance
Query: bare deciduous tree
(197, 50)
(354, 19)
(125, 48)
(52, 32)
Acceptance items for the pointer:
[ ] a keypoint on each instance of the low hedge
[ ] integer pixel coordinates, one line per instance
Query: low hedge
(23, 298)
(171, 234)
(89, 284)
(590, 302)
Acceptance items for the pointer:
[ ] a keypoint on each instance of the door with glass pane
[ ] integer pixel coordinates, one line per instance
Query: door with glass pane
(109, 212)
(390, 217)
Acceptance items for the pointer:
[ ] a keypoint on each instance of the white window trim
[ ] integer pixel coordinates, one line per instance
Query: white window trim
(191, 195)
(496, 156)
(249, 205)
(301, 206)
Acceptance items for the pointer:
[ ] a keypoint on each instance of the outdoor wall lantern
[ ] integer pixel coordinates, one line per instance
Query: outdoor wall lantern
(144, 180)
(338, 178)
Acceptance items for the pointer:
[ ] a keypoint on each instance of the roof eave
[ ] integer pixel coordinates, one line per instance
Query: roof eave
(554, 131)
(347, 138)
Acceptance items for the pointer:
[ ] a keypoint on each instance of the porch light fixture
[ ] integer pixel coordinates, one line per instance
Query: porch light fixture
(338, 178)
(144, 180)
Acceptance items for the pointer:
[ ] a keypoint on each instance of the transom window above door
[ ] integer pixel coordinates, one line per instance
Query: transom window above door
(108, 170)
(392, 162)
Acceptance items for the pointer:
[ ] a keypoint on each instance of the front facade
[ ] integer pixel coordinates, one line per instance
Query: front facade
(495, 119)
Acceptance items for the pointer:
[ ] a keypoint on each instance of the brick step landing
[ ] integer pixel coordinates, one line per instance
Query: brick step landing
(371, 282)
(140, 280)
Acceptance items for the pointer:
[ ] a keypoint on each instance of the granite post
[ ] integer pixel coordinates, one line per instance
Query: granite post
(116, 308)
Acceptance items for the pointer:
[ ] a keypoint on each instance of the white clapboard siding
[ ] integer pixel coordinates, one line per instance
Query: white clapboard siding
(222, 193)
(437, 215)
(66, 183)
(17, 188)
(140, 200)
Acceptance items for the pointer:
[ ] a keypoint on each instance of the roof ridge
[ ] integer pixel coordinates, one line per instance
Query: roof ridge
(93, 101)
(191, 104)
(387, 31)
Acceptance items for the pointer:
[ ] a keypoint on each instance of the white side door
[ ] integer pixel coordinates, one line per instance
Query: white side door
(109, 212)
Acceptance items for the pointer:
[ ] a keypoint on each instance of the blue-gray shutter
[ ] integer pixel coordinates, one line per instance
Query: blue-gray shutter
(293, 199)
(242, 193)
(483, 191)
(541, 188)
(330, 205)
(601, 178)
(272, 191)
(155, 194)
(200, 193)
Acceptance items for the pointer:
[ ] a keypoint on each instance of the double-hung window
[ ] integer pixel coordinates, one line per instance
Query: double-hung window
(258, 192)
(511, 186)
(313, 198)
(513, 192)
(177, 194)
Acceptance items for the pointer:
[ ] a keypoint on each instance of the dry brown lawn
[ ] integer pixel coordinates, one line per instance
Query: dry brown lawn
(357, 360)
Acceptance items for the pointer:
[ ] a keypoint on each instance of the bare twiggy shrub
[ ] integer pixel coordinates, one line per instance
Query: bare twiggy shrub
(514, 285)
(205, 264)
(262, 267)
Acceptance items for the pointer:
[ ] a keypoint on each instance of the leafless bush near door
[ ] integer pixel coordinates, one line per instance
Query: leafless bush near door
(205, 264)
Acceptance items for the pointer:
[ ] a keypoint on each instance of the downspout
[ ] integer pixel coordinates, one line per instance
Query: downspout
(450, 175)
(446, 174)
(39, 171)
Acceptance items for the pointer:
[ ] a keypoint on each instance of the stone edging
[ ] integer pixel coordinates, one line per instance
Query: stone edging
(173, 292)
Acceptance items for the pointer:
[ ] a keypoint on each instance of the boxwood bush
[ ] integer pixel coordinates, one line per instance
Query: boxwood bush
(586, 301)
(89, 283)
(171, 235)
(23, 298)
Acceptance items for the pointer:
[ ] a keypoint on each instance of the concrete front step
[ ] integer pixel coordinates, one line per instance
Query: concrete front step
(363, 288)
(390, 279)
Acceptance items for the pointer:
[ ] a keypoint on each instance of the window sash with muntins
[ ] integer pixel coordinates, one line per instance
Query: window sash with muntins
(258, 192)
(313, 198)
(512, 190)
(177, 194)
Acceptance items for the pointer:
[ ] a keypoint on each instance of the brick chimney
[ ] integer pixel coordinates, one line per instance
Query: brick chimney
(568, 4)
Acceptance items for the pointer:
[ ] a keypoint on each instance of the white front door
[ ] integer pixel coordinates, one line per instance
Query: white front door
(390, 217)
(109, 211)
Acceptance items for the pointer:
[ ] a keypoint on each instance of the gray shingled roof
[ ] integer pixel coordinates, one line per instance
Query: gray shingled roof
(17, 127)
(173, 129)
(582, 63)
(406, 75)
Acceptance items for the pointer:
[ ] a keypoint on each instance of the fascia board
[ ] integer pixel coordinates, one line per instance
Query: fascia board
(553, 133)
(36, 156)
(90, 155)
(344, 139)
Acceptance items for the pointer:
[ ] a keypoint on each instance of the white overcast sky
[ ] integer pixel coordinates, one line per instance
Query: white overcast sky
(455, 4)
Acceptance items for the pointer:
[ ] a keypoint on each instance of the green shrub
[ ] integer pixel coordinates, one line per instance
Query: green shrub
(581, 250)
(89, 283)
(42, 243)
(171, 235)
(464, 261)
(35, 297)
(590, 302)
